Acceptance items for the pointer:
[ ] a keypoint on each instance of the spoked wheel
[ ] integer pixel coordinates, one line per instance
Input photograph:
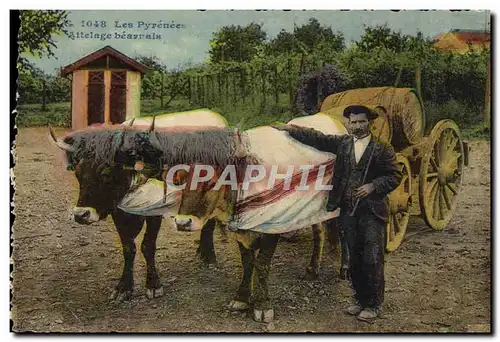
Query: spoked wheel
(441, 174)
(399, 207)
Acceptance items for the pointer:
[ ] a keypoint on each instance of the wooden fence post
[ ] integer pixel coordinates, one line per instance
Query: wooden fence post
(162, 88)
(243, 79)
(319, 86)
(219, 97)
(252, 84)
(289, 77)
(276, 85)
(234, 87)
(262, 72)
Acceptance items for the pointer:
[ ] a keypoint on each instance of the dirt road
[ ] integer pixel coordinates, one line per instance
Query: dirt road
(64, 272)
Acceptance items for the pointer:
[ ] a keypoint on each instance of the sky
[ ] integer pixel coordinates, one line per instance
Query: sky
(184, 36)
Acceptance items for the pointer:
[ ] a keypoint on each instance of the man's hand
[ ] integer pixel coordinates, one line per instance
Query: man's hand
(281, 127)
(364, 190)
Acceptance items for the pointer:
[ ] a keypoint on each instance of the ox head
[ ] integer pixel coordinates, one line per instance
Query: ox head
(103, 181)
(102, 187)
(209, 191)
(202, 197)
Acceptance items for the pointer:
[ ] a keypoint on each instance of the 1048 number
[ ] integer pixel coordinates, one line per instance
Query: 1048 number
(93, 23)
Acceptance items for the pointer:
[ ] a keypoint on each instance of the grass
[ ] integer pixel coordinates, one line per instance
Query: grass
(477, 132)
(32, 115)
(246, 114)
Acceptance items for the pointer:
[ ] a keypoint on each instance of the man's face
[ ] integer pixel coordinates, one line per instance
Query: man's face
(359, 125)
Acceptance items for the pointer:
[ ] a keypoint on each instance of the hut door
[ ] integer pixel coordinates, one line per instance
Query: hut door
(96, 97)
(118, 97)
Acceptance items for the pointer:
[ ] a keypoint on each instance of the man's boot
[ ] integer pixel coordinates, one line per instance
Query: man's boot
(353, 309)
(368, 315)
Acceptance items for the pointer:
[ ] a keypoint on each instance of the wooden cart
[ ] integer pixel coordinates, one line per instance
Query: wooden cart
(432, 164)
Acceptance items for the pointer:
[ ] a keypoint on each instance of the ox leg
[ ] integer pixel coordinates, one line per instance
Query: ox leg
(128, 227)
(148, 248)
(312, 271)
(344, 268)
(206, 250)
(263, 311)
(240, 302)
(339, 246)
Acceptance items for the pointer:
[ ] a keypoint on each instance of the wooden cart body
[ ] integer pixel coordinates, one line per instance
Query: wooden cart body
(432, 164)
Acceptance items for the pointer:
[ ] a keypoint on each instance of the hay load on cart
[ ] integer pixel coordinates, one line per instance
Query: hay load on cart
(432, 164)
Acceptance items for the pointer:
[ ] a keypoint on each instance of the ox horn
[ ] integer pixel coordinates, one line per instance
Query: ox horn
(59, 143)
(131, 122)
(152, 128)
(153, 139)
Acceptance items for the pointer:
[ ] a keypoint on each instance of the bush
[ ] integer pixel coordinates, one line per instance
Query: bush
(57, 115)
(462, 113)
(314, 88)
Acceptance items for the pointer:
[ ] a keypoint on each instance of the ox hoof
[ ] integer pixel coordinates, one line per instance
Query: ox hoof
(154, 293)
(120, 296)
(263, 316)
(208, 262)
(236, 305)
(310, 274)
(344, 273)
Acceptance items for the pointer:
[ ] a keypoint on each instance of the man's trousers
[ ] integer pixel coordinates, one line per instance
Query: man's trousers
(364, 235)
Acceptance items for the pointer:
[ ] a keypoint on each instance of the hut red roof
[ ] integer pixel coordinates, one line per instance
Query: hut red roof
(109, 51)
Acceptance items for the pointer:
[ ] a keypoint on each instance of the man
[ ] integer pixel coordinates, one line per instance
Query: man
(365, 230)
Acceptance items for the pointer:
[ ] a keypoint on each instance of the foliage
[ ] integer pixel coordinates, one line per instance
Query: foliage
(314, 88)
(255, 82)
(57, 115)
(34, 85)
(458, 111)
(306, 39)
(236, 43)
(37, 31)
(381, 36)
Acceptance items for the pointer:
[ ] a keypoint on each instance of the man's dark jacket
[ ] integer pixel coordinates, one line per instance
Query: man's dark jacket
(348, 175)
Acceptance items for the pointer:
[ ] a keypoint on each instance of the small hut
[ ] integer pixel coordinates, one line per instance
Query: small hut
(106, 88)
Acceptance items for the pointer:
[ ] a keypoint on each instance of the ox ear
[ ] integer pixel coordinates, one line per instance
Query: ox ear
(153, 139)
(240, 148)
(59, 143)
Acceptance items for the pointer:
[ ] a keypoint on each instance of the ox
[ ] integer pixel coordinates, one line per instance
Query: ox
(203, 202)
(103, 160)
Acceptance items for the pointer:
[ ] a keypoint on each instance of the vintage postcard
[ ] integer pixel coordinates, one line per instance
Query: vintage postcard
(252, 171)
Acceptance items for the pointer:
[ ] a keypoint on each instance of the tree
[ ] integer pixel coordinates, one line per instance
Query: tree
(152, 62)
(37, 31)
(153, 81)
(381, 36)
(236, 43)
(312, 33)
(306, 39)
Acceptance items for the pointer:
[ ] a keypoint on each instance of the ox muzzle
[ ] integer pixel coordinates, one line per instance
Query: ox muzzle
(85, 215)
(187, 223)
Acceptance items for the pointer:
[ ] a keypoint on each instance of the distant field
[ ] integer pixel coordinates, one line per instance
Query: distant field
(244, 115)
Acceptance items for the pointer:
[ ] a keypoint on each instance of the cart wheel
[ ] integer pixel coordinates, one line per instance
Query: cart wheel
(399, 207)
(441, 174)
